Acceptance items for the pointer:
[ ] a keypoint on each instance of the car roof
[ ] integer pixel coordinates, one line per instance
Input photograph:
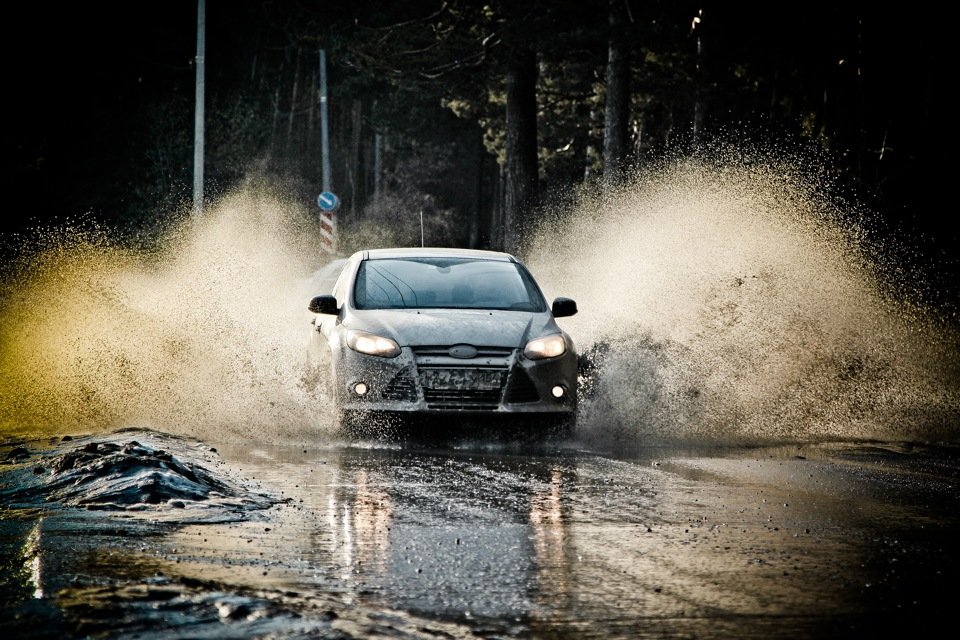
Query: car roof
(436, 252)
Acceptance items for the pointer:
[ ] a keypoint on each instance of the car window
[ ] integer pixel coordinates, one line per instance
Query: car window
(449, 283)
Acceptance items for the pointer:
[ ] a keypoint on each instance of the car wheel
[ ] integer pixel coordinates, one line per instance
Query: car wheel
(371, 425)
(350, 424)
(564, 426)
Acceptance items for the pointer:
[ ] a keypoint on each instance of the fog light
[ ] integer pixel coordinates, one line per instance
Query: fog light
(558, 391)
(360, 388)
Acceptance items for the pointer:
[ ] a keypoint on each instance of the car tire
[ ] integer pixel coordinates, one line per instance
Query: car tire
(564, 426)
(350, 424)
(371, 425)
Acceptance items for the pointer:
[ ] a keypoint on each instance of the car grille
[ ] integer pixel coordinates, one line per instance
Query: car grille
(521, 388)
(403, 387)
(482, 352)
(463, 396)
(462, 399)
(447, 382)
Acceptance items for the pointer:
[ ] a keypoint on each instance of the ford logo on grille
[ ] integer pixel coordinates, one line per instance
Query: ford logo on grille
(462, 351)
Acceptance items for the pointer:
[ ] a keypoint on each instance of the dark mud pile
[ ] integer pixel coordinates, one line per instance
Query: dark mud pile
(128, 470)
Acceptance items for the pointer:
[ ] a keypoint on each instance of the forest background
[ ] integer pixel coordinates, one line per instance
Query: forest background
(486, 118)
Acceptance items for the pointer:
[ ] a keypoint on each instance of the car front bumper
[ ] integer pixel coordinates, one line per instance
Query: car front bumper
(430, 381)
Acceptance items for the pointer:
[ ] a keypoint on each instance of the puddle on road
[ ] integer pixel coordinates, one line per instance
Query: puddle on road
(139, 532)
(388, 541)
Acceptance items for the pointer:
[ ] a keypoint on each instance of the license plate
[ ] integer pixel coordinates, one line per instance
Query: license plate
(460, 379)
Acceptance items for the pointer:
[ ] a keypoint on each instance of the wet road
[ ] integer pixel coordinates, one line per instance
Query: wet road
(498, 541)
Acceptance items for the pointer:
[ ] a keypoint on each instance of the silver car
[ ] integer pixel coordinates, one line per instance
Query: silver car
(456, 334)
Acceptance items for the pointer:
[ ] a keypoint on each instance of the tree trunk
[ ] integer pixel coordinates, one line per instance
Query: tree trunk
(476, 208)
(355, 167)
(521, 147)
(700, 103)
(496, 208)
(616, 130)
(293, 101)
(378, 144)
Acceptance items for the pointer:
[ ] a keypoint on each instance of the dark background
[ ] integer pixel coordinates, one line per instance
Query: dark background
(99, 102)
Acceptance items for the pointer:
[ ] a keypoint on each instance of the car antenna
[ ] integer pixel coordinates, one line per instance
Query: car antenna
(421, 228)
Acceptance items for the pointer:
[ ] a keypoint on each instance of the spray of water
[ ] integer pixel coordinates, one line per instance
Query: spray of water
(203, 335)
(718, 301)
(732, 302)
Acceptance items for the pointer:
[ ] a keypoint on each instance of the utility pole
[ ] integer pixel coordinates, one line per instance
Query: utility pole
(327, 200)
(198, 117)
(324, 137)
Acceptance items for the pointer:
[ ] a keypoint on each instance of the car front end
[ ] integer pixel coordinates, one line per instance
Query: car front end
(460, 334)
(482, 376)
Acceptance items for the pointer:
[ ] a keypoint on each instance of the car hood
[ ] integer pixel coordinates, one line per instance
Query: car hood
(479, 327)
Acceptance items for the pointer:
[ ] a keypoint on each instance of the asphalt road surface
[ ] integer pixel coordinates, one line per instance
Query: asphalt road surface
(142, 534)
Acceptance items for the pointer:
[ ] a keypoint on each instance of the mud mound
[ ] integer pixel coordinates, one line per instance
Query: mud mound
(129, 470)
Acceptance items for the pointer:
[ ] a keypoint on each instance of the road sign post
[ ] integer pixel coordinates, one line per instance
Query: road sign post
(328, 203)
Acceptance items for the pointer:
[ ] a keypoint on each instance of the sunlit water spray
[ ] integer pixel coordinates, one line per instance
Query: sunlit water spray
(734, 303)
(203, 336)
(720, 302)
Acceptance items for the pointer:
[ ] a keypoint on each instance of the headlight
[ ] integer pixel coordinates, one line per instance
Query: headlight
(545, 347)
(371, 344)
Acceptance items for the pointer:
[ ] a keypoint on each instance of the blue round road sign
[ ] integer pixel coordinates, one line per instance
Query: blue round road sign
(327, 201)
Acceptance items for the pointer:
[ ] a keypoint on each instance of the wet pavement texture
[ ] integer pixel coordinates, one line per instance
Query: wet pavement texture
(143, 534)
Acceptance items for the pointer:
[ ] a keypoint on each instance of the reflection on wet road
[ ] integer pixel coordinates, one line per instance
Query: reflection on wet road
(770, 542)
(813, 541)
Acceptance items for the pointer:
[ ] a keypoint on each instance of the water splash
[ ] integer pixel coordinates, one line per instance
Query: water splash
(201, 335)
(723, 301)
(732, 302)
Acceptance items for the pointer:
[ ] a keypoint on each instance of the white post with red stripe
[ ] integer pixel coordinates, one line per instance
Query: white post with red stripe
(328, 203)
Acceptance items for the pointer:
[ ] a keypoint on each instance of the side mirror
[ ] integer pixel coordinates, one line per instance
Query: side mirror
(563, 307)
(326, 305)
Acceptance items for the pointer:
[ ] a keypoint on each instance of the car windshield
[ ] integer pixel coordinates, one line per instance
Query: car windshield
(445, 283)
